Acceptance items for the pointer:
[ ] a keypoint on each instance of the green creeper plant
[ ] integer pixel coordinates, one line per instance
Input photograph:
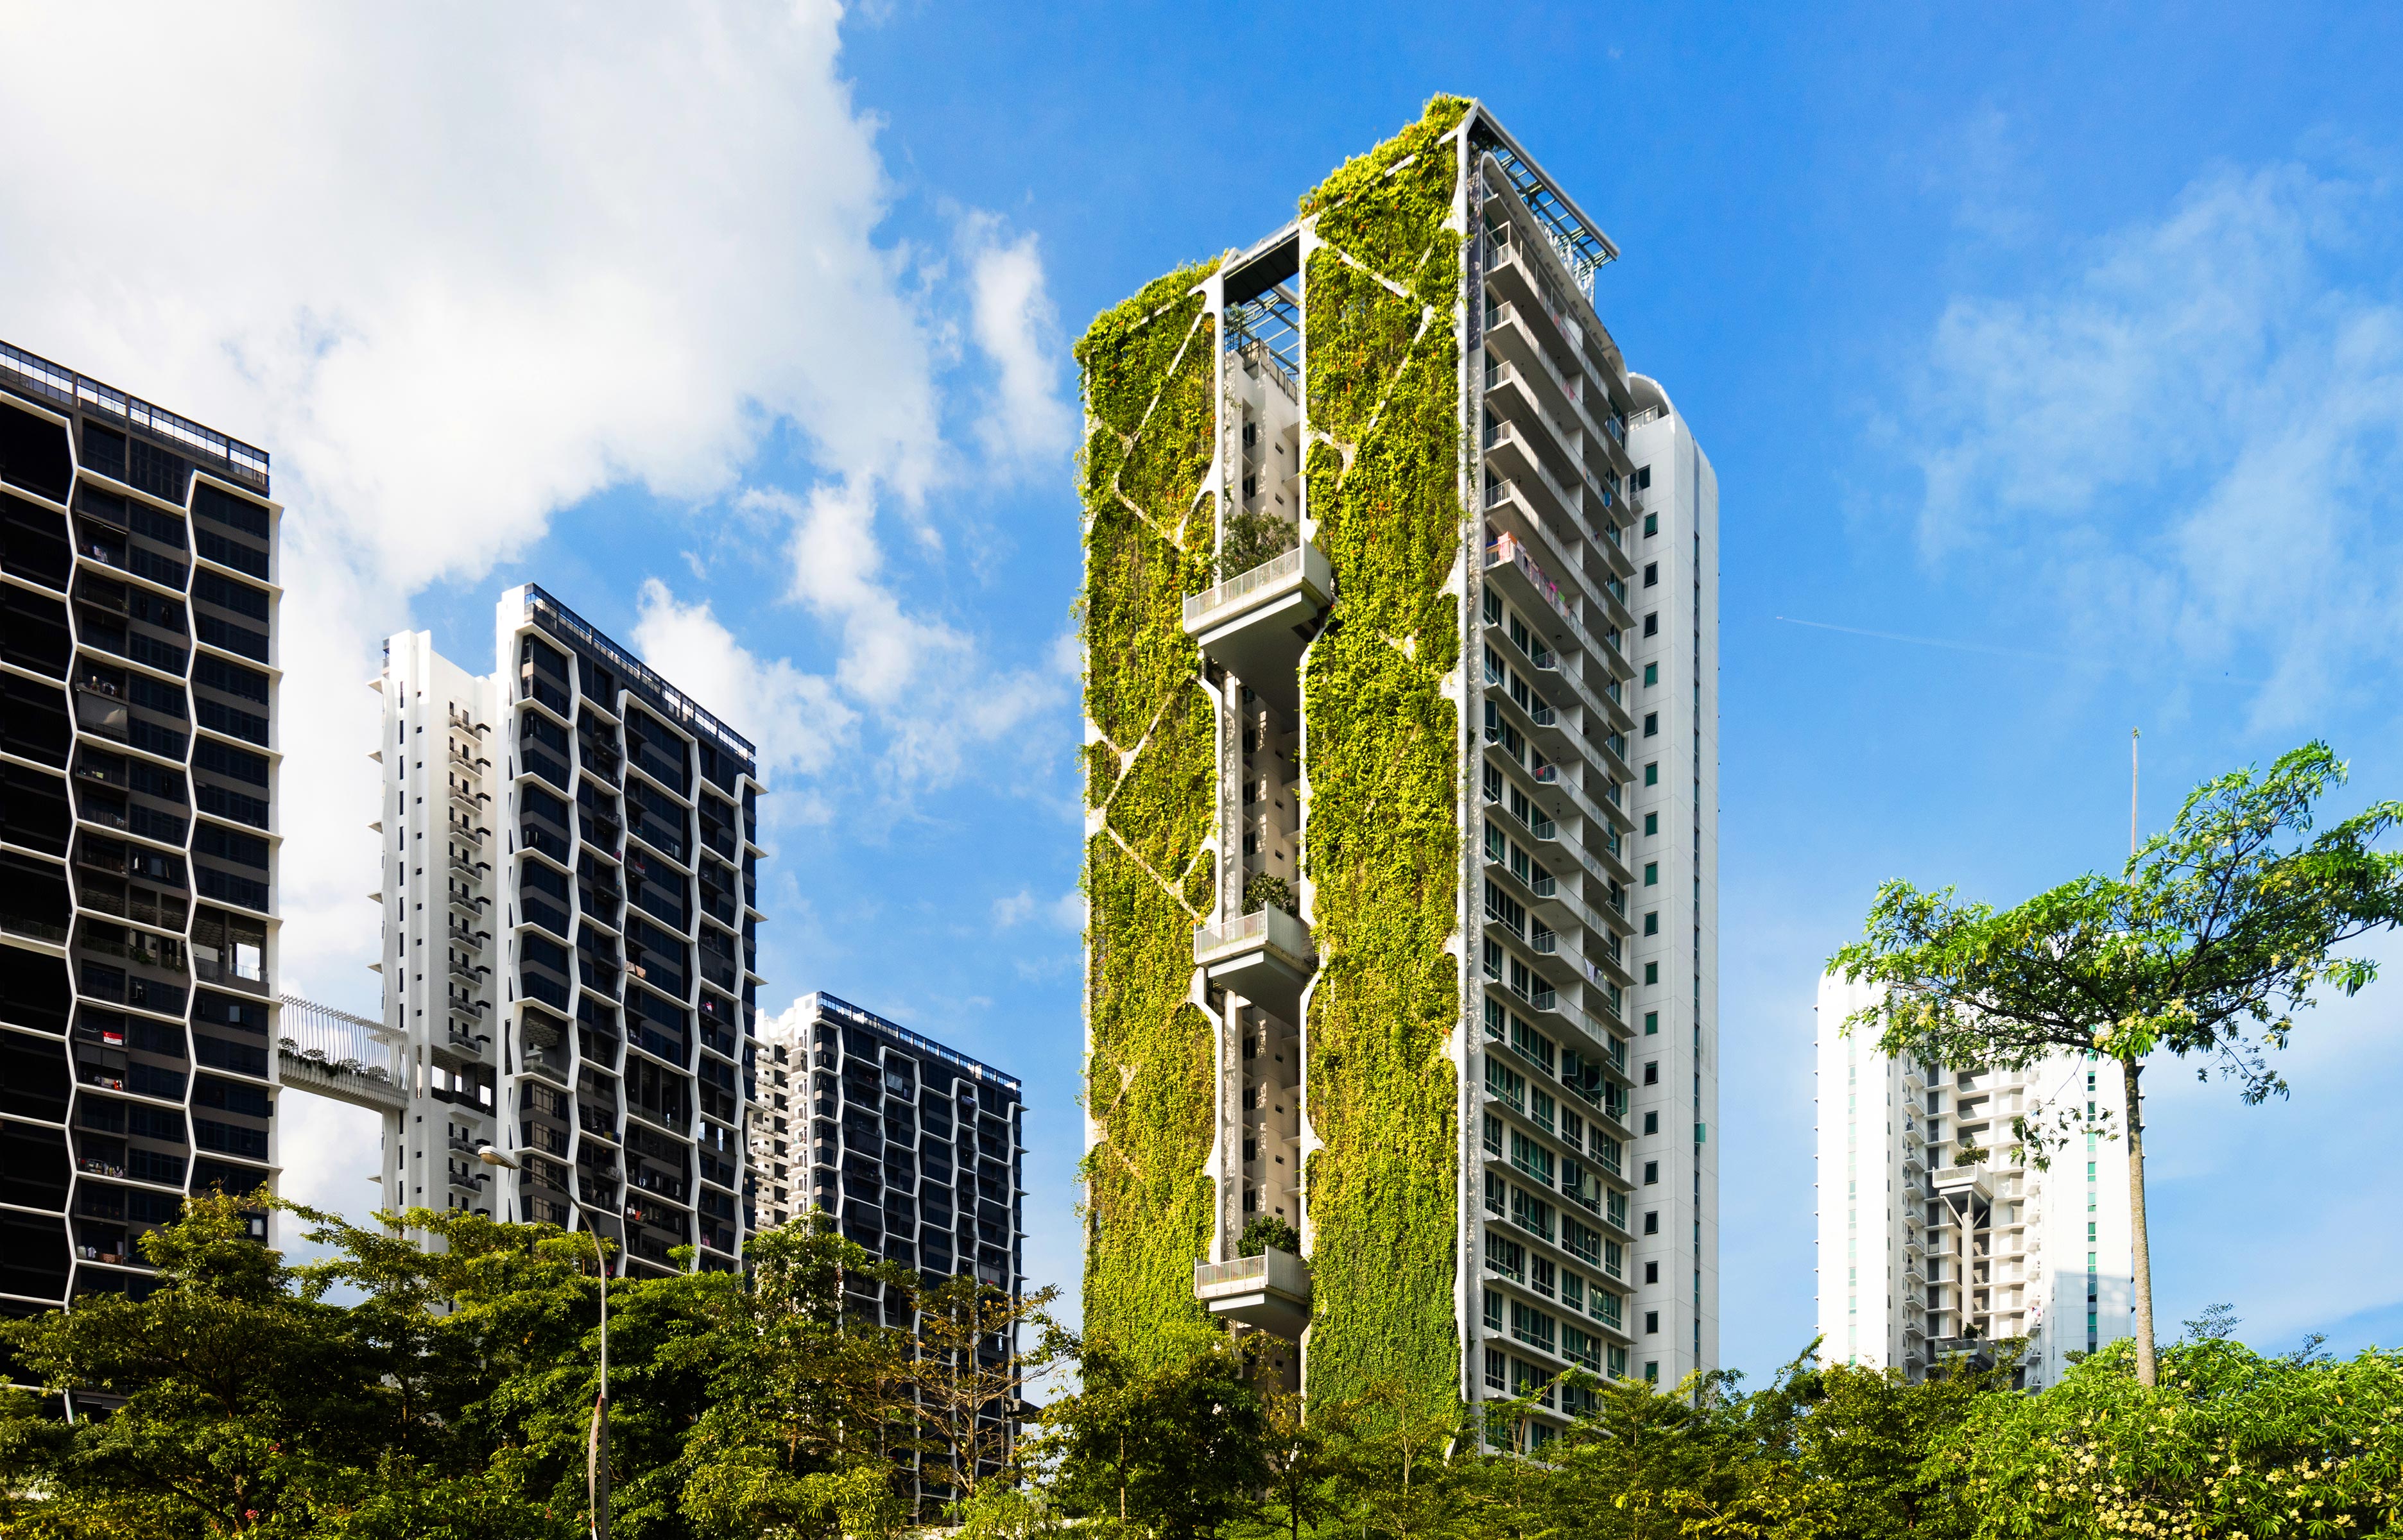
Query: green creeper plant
(2212, 937)
(1381, 756)
(1149, 369)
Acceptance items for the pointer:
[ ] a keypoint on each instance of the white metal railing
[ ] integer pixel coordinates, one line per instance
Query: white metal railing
(1277, 1271)
(337, 1041)
(1281, 931)
(1305, 561)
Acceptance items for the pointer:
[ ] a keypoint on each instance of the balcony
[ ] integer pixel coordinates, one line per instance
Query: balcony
(1265, 956)
(1256, 623)
(1270, 1291)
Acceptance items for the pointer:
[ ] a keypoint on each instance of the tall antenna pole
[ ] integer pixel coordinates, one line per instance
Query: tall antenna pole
(2132, 736)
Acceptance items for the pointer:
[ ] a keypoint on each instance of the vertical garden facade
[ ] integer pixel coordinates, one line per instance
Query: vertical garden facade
(1358, 514)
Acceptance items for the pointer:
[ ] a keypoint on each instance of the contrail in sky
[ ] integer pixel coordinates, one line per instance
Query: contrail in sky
(1936, 641)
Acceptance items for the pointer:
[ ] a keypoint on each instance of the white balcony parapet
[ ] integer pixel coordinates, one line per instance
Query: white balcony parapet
(1265, 956)
(1253, 624)
(1270, 1291)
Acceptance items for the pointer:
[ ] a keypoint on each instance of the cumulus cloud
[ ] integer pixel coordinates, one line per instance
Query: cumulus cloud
(926, 683)
(796, 720)
(1016, 329)
(460, 267)
(2193, 437)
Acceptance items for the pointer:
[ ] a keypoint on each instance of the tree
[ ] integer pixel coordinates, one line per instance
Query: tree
(2214, 935)
(807, 1425)
(1172, 1451)
(971, 1376)
(2230, 1443)
(1264, 1230)
(1307, 1453)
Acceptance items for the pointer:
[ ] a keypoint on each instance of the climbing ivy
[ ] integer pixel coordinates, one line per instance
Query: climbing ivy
(1382, 764)
(1149, 375)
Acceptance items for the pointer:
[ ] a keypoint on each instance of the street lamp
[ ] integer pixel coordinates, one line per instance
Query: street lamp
(596, 1454)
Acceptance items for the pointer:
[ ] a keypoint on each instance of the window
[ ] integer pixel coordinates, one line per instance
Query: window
(1651, 1272)
(1652, 1072)
(1651, 1122)
(1651, 1324)
(1652, 574)
(1642, 478)
(1492, 1310)
(1651, 524)
(1652, 624)
(1651, 973)
(1651, 724)
(1651, 821)
(1651, 674)
(1652, 773)
(1652, 925)
(1651, 1173)
(1651, 874)
(1651, 1022)
(1652, 1222)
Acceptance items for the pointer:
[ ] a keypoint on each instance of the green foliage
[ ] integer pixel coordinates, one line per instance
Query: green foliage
(1162, 808)
(1148, 1086)
(454, 1398)
(1150, 377)
(1168, 1443)
(1264, 1230)
(2209, 941)
(2215, 932)
(1264, 890)
(1254, 536)
(1383, 761)
(2231, 1443)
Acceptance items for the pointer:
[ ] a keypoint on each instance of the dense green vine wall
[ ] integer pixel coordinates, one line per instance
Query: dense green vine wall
(1150, 378)
(1383, 760)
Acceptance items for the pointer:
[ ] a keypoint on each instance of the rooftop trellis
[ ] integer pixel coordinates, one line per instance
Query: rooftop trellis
(1581, 249)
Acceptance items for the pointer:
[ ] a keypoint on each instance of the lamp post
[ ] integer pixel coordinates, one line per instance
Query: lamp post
(596, 1454)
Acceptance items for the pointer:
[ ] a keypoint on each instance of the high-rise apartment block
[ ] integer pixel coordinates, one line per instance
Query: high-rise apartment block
(570, 903)
(1923, 1257)
(913, 1149)
(1401, 690)
(138, 833)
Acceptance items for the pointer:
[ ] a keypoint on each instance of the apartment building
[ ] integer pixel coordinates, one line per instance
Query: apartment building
(915, 1150)
(570, 927)
(1401, 661)
(1923, 1257)
(138, 830)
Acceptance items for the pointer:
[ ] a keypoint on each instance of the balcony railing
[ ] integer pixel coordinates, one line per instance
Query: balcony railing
(1303, 562)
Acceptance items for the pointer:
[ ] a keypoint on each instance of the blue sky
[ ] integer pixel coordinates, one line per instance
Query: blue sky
(2052, 366)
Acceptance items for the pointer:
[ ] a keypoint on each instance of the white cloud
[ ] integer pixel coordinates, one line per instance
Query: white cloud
(794, 719)
(1018, 331)
(460, 267)
(1067, 912)
(2193, 439)
(926, 684)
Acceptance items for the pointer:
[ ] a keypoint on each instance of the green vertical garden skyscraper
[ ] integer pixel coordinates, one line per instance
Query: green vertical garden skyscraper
(1400, 625)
